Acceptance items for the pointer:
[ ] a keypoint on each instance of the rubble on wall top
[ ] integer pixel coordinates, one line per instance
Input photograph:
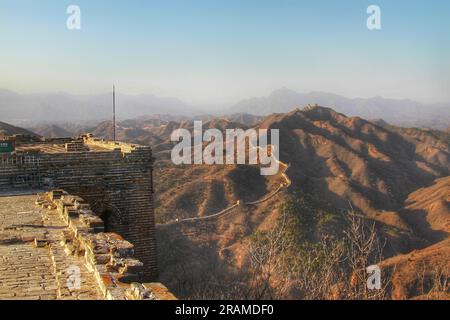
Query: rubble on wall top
(107, 255)
(83, 143)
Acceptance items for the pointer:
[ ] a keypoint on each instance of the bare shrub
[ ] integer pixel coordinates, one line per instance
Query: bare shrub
(328, 268)
(265, 250)
(434, 280)
(364, 249)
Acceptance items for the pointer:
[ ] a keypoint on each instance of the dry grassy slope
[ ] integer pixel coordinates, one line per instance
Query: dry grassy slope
(200, 190)
(412, 274)
(427, 210)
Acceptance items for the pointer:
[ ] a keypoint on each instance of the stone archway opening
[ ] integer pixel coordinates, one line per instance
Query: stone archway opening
(109, 220)
(112, 219)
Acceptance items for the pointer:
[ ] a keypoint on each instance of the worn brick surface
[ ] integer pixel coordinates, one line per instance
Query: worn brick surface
(35, 272)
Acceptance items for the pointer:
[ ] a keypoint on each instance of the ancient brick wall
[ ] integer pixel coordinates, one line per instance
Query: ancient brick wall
(115, 178)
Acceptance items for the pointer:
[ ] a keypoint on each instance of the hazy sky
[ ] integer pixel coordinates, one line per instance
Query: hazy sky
(219, 51)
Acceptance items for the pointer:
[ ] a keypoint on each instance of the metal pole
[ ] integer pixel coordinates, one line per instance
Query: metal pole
(114, 113)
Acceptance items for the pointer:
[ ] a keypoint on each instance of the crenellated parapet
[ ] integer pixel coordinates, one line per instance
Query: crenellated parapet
(124, 147)
(106, 254)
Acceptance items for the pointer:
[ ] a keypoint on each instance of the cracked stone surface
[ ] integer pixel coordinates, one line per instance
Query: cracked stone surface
(30, 272)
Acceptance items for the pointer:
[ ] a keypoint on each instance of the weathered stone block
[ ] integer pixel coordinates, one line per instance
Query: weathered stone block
(40, 243)
(158, 291)
(132, 266)
(56, 194)
(100, 259)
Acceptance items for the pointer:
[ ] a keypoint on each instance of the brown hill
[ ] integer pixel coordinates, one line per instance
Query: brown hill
(352, 160)
(423, 274)
(427, 210)
(420, 274)
(52, 131)
(244, 118)
(9, 130)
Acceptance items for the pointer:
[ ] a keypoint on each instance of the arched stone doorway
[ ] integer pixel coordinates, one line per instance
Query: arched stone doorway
(110, 215)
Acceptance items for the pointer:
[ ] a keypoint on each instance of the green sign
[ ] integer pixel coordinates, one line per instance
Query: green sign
(6, 146)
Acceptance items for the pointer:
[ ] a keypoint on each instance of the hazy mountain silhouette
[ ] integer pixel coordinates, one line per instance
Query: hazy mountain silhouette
(52, 131)
(33, 109)
(10, 130)
(25, 108)
(399, 112)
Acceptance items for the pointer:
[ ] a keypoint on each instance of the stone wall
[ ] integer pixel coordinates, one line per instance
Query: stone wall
(107, 256)
(115, 179)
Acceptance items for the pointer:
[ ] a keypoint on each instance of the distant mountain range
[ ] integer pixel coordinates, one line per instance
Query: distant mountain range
(31, 110)
(399, 112)
(63, 107)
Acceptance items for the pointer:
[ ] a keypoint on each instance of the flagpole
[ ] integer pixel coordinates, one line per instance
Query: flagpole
(114, 113)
